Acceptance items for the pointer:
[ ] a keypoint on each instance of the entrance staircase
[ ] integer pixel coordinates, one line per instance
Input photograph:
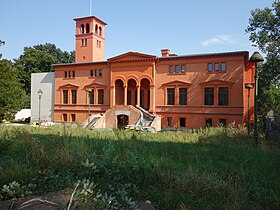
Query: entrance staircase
(138, 119)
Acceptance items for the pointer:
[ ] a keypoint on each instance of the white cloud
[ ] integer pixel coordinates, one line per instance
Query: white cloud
(219, 40)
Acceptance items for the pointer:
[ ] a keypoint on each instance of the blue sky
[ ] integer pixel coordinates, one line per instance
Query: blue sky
(147, 26)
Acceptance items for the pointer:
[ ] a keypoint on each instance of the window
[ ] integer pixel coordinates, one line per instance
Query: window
(100, 96)
(65, 96)
(91, 97)
(224, 67)
(223, 96)
(100, 31)
(65, 117)
(82, 28)
(95, 72)
(182, 122)
(100, 72)
(87, 28)
(96, 29)
(223, 122)
(171, 69)
(177, 70)
(84, 42)
(210, 68)
(65, 74)
(216, 66)
(208, 96)
(97, 43)
(69, 73)
(74, 96)
(183, 96)
(183, 68)
(73, 117)
(208, 122)
(73, 73)
(169, 121)
(170, 96)
(91, 73)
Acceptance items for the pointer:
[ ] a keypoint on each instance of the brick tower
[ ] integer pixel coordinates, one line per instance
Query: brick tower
(90, 39)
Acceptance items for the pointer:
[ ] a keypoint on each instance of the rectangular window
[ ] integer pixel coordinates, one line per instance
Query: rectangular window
(208, 96)
(73, 73)
(69, 74)
(170, 96)
(216, 66)
(73, 117)
(223, 122)
(91, 73)
(208, 122)
(182, 122)
(65, 96)
(210, 68)
(183, 68)
(169, 121)
(183, 96)
(74, 96)
(100, 96)
(65, 74)
(177, 70)
(171, 69)
(95, 72)
(223, 96)
(65, 117)
(100, 72)
(91, 96)
(224, 67)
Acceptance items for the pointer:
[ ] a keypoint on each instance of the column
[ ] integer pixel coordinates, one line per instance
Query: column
(152, 98)
(112, 96)
(138, 95)
(125, 94)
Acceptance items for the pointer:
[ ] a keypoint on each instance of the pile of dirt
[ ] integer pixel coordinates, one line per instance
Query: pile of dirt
(52, 201)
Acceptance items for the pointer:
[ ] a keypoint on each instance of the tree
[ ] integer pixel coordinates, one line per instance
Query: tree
(264, 30)
(1, 43)
(12, 96)
(39, 58)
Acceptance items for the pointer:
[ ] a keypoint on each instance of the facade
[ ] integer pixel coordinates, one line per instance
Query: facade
(189, 91)
(45, 82)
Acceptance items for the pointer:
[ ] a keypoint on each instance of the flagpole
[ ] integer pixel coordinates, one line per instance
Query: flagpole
(90, 8)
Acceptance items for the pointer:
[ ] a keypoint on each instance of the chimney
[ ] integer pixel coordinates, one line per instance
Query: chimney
(165, 52)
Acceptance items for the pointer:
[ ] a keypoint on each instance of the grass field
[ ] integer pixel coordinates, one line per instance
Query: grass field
(206, 169)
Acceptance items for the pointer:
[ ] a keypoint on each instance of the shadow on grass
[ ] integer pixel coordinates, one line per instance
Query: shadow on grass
(176, 170)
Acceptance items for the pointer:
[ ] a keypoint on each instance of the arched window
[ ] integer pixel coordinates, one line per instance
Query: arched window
(96, 29)
(82, 29)
(100, 31)
(87, 28)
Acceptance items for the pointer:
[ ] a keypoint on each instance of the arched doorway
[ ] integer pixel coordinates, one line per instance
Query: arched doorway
(122, 121)
(145, 94)
(119, 95)
(131, 92)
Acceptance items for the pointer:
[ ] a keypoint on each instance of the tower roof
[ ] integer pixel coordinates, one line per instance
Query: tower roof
(91, 17)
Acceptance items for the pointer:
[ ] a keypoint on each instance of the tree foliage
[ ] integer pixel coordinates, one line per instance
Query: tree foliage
(264, 30)
(39, 58)
(12, 96)
(1, 43)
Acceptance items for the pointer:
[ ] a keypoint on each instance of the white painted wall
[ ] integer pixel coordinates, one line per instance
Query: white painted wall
(45, 82)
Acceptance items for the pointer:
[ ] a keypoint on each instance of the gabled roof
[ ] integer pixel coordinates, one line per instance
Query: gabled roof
(217, 82)
(177, 82)
(131, 56)
(68, 85)
(95, 84)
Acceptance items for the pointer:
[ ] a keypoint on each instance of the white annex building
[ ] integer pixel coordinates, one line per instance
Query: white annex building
(45, 83)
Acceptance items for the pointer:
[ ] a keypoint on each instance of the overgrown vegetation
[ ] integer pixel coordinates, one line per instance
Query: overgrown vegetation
(206, 169)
